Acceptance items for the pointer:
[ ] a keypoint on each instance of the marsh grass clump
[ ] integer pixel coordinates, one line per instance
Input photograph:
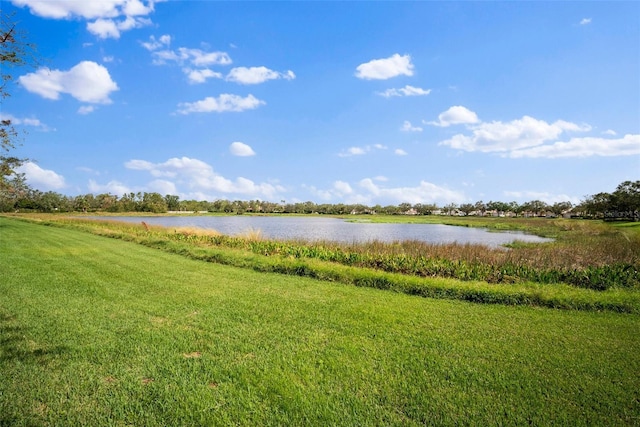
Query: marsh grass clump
(193, 235)
(195, 231)
(251, 234)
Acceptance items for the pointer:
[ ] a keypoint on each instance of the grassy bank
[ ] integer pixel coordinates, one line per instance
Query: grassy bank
(586, 254)
(100, 331)
(540, 275)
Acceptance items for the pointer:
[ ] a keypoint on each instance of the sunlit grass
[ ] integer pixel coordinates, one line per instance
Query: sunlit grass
(99, 331)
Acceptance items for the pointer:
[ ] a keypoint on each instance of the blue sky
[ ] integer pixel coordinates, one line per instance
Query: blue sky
(332, 102)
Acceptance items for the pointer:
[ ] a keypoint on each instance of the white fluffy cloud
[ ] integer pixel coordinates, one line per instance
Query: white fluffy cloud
(585, 21)
(405, 91)
(241, 149)
(112, 187)
(358, 151)
(27, 121)
(425, 192)
(532, 138)
(42, 179)
(256, 75)
(195, 57)
(162, 55)
(352, 151)
(195, 62)
(162, 186)
(629, 145)
(201, 76)
(408, 127)
(155, 44)
(454, 116)
(110, 28)
(371, 191)
(386, 68)
(517, 134)
(65, 9)
(342, 188)
(111, 16)
(87, 82)
(86, 109)
(200, 177)
(400, 152)
(223, 103)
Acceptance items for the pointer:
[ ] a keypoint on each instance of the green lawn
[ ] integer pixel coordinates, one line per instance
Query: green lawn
(97, 331)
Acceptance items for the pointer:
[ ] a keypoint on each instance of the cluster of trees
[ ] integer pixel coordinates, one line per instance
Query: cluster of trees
(623, 203)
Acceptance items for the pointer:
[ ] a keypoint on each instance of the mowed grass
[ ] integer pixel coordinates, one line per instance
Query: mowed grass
(97, 331)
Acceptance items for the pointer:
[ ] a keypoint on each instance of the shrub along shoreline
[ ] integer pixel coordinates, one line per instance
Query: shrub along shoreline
(611, 287)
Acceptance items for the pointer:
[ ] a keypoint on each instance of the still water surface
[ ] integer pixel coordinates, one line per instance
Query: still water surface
(334, 229)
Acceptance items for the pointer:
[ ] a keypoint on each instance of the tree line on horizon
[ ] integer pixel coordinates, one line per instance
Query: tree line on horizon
(623, 203)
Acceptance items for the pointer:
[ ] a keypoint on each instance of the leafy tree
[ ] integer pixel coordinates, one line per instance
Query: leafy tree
(15, 51)
(173, 202)
(390, 210)
(107, 202)
(270, 207)
(324, 208)
(425, 209)
(15, 188)
(84, 203)
(516, 208)
(153, 202)
(240, 206)
(450, 208)
(404, 207)
(596, 204)
(308, 207)
(536, 207)
(129, 202)
(499, 207)
(560, 207)
(467, 208)
(626, 199)
(341, 209)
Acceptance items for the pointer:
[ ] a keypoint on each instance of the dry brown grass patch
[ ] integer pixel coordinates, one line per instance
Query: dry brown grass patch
(197, 231)
(192, 355)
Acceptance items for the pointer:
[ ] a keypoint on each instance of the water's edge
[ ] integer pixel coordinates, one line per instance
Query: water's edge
(335, 229)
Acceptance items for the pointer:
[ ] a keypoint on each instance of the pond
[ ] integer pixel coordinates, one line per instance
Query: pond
(335, 229)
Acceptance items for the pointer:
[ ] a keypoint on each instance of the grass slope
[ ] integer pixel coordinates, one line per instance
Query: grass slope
(96, 331)
(610, 263)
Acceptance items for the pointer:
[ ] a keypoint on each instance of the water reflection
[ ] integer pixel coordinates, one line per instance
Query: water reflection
(334, 229)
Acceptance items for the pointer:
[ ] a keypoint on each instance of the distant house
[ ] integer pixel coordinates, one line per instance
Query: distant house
(411, 211)
(365, 212)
